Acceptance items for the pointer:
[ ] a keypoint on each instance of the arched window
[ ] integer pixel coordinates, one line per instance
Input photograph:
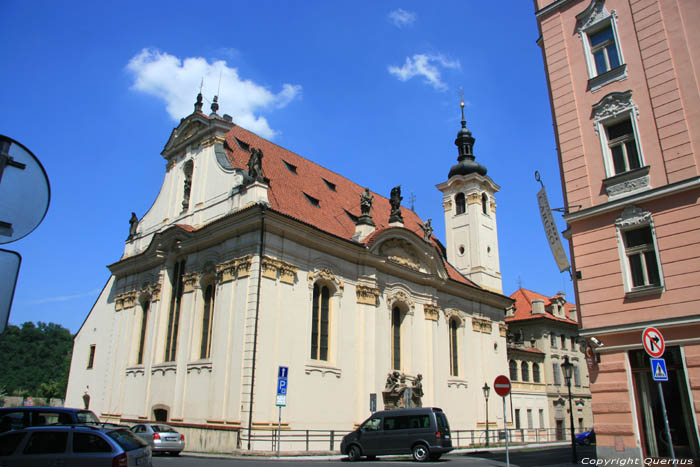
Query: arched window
(144, 323)
(513, 367)
(460, 203)
(525, 371)
(207, 320)
(396, 338)
(485, 203)
(536, 372)
(319, 322)
(454, 348)
(160, 415)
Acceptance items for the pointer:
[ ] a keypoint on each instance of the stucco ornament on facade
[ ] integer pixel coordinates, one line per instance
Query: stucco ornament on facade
(125, 300)
(327, 275)
(400, 296)
(431, 312)
(595, 13)
(274, 268)
(455, 313)
(628, 186)
(611, 106)
(401, 252)
(234, 269)
(190, 281)
(367, 295)
(481, 325)
(633, 215)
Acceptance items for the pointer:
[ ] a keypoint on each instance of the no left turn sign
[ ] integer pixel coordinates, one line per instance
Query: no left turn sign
(653, 342)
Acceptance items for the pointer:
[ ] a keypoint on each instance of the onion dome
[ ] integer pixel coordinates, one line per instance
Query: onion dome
(465, 161)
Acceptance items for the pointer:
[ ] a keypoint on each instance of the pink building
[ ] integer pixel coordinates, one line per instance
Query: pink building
(625, 96)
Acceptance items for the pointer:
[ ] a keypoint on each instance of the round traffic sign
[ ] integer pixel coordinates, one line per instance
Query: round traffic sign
(653, 342)
(501, 385)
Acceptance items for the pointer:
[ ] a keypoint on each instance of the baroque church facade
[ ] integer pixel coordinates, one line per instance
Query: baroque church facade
(253, 257)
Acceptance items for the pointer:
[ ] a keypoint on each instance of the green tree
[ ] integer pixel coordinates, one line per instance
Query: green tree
(34, 354)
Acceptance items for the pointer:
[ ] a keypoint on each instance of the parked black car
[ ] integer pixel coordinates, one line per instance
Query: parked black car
(422, 432)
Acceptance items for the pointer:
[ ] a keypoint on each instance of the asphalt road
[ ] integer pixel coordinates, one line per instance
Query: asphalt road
(560, 456)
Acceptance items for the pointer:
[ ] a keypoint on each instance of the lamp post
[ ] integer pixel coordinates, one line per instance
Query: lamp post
(568, 369)
(486, 390)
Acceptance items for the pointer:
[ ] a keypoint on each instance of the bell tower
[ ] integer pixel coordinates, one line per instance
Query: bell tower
(470, 216)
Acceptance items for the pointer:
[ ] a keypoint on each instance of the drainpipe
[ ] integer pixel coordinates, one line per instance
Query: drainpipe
(257, 314)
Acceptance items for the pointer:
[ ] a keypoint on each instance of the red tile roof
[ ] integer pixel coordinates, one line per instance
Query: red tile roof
(523, 349)
(523, 307)
(290, 191)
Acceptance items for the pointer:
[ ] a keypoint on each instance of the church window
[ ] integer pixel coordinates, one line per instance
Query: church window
(454, 348)
(485, 203)
(320, 322)
(396, 338)
(313, 201)
(513, 367)
(535, 372)
(291, 167)
(207, 320)
(174, 314)
(91, 357)
(460, 203)
(577, 376)
(189, 168)
(145, 306)
(525, 371)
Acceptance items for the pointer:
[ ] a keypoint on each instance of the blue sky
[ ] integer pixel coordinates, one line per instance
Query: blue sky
(368, 89)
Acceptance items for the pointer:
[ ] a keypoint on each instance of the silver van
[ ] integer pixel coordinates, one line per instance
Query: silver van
(423, 432)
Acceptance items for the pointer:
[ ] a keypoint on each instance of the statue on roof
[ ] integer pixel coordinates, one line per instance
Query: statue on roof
(366, 199)
(427, 229)
(133, 224)
(255, 165)
(395, 202)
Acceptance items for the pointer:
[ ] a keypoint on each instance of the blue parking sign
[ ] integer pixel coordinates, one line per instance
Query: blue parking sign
(282, 386)
(658, 369)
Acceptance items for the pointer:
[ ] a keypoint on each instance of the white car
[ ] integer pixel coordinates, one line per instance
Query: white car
(161, 437)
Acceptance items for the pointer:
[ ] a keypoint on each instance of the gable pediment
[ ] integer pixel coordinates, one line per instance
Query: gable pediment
(189, 130)
(403, 247)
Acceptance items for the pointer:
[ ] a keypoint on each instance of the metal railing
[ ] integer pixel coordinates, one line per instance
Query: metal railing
(329, 440)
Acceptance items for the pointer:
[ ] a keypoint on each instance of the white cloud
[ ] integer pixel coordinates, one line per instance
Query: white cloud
(177, 82)
(63, 298)
(427, 66)
(402, 18)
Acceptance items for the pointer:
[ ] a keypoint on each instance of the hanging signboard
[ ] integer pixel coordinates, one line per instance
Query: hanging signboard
(550, 229)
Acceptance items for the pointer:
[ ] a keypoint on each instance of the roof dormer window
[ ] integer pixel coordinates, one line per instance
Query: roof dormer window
(242, 144)
(291, 167)
(330, 185)
(313, 201)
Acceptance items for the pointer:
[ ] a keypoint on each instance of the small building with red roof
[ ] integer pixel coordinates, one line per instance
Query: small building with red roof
(253, 258)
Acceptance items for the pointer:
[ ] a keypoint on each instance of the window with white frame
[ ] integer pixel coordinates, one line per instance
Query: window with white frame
(615, 120)
(603, 48)
(638, 251)
(622, 146)
(597, 28)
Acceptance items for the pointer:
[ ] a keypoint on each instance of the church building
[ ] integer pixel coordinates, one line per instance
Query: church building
(253, 258)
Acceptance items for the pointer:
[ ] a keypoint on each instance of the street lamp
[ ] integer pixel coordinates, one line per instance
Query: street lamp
(486, 390)
(568, 369)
